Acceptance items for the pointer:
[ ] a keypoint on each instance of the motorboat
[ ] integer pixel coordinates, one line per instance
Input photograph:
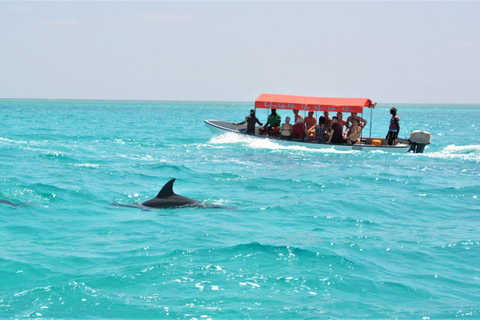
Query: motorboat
(416, 143)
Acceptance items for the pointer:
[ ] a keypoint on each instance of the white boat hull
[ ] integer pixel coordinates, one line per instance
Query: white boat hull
(222, 127)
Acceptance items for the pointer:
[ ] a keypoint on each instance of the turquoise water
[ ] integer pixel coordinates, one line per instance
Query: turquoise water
(315, 233)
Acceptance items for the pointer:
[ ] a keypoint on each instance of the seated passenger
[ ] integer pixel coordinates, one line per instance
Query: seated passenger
(298, 133)
(309, 123)
(286, 130)
(273, 121)
(354, 132)
(340, 120)
(321, 131)
(297, 116)
(250, 120)
(336, 133)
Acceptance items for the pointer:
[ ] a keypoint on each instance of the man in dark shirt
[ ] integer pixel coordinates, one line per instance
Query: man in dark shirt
(394, 127)
(298, 133)
(336, 132)
(250, 120)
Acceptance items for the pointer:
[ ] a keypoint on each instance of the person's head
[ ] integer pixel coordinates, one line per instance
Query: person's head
(310, 113)
(355, 122)
(252, 112)
(287, 119)
(274, 111)
(334, 119)
(321, 120)
(299, 121)
(393, 111)
(339, 115)
(325, 113)
(295, 112)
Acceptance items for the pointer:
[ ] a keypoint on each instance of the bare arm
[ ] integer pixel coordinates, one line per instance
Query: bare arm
(330, 135)
(240, 123)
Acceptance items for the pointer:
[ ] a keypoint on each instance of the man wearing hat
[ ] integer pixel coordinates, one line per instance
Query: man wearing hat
(250, 120)
(394, 127)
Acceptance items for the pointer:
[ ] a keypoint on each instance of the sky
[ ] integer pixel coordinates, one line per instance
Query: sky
(391, 52)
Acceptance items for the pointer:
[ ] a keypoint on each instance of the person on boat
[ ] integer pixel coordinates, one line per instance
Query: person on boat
(328, 120)
(336, 133)
(309, 123)
(250, 120)
(354, 133)
(362, 122)
(286, 130)
(340, 120)
(321, 131)
(273, 121)
(394, 127)
(297, 116)
(298, 132)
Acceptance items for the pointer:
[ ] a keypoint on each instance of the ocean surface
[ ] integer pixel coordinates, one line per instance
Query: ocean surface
(304, 233)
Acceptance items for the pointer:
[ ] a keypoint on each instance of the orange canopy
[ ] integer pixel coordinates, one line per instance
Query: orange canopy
(280, 101)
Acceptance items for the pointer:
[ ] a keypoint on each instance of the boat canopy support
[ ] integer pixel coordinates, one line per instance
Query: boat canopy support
(286, 102)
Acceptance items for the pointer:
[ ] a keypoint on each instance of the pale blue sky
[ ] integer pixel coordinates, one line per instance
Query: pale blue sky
(386, 51)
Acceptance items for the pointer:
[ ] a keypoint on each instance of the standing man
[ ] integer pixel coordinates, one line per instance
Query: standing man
(250, 120)
(354, 115)
(394, 127)
(340, 120)
(328, 120)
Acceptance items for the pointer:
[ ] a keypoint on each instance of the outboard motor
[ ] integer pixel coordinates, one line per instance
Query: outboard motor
(419, 140)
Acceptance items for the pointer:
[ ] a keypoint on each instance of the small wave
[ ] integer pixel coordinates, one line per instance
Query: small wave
(232, 138)
(92, 165)
(137, 157)
(4, 140)
(165, 166)
(279, 252)
(56, 156)
(469, 152)
(39, 193)
(464, 244)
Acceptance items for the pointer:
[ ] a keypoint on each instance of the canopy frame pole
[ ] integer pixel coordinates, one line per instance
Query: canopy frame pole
(361, 131)
(371, 112)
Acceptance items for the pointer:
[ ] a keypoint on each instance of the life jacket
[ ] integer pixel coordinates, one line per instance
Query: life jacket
(393, 124)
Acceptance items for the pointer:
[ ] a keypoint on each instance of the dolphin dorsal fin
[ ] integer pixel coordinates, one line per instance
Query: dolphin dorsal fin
(167, 190)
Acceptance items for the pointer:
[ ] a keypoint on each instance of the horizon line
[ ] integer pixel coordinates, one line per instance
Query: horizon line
(173, 100)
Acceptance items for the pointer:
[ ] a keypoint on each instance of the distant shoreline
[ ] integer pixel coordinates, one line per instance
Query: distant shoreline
(119, 100)
(380, 105)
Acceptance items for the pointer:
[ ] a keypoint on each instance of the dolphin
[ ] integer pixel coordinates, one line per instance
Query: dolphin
(9, 203)
(166, 198)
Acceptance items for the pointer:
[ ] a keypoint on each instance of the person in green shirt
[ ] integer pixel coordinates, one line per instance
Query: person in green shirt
(273, 122)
